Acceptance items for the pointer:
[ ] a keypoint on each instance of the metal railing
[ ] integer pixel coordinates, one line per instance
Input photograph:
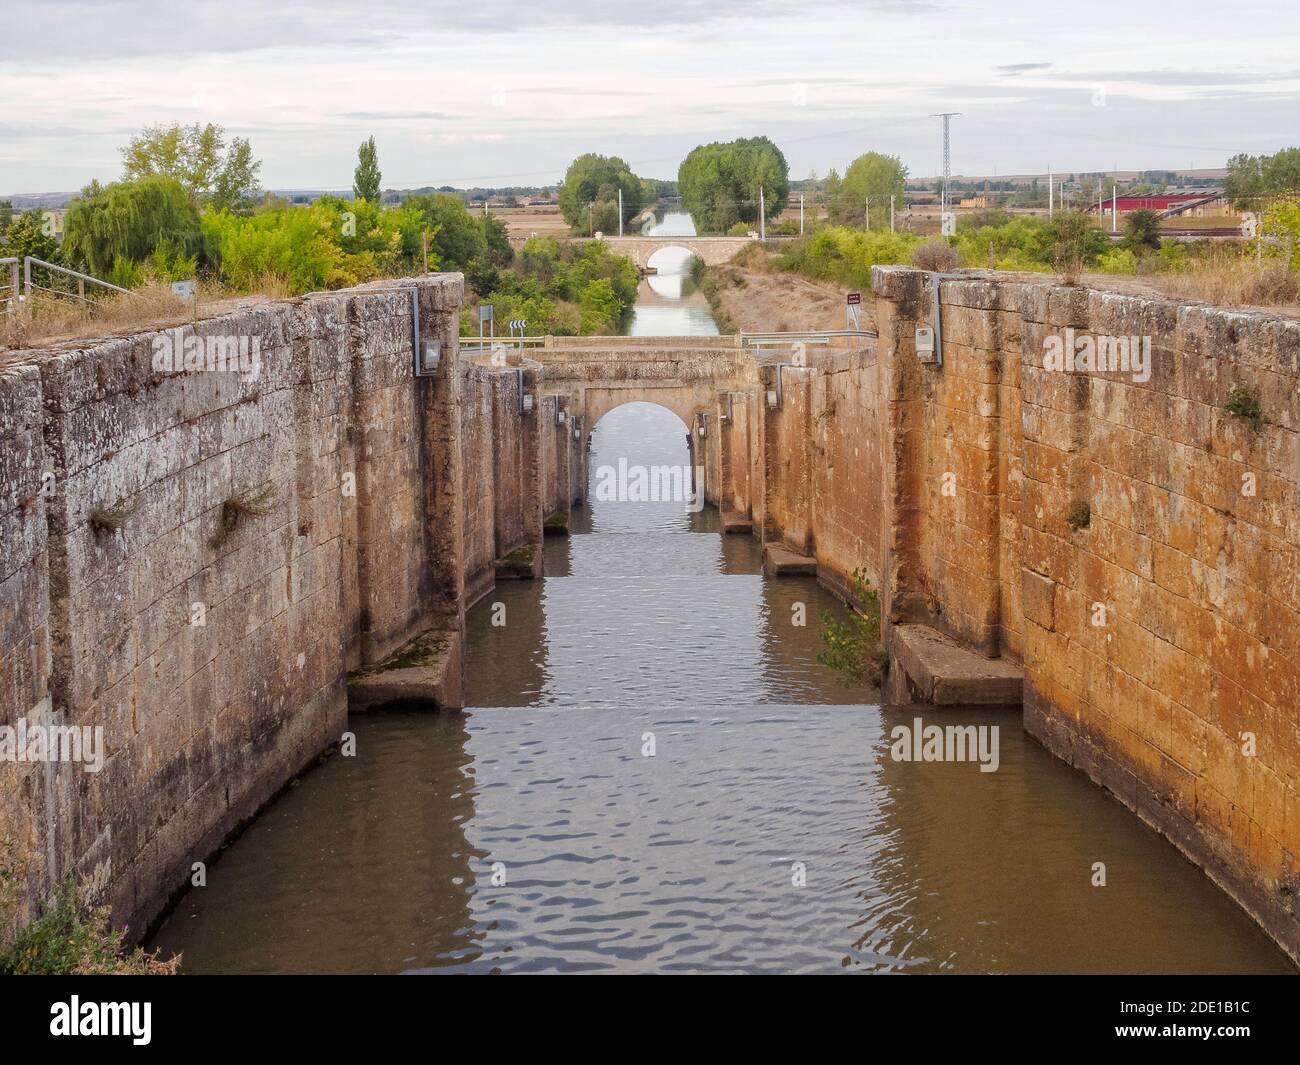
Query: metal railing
(758, 340)
(29, 286)
(812, 336)
(505, 342)
(9, 294)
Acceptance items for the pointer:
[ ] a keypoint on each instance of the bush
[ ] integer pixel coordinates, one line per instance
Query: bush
(1118, 261)
(853, 645)
(73, 938)
(935, 255)
(1075, 244)
(836, 253)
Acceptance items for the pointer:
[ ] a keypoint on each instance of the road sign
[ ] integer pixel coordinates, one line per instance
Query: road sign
(854, 298)
(1249, 222)
(485, 312)
(518, 323)
(948, 224)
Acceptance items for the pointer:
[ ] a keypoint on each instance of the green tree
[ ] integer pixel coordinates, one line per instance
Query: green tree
(871, 178)
(589, 195)
(130, 220)
(459, 237)
(6, 215)
(27, 235)
(198, 158)
(499, 251)
(720, 182)
(366, 178)
(1253, 179)
(1142, 230)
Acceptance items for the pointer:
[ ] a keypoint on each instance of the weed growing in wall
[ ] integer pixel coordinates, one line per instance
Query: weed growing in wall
(853, 644)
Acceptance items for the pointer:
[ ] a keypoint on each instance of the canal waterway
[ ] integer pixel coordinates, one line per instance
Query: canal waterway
(655, 774)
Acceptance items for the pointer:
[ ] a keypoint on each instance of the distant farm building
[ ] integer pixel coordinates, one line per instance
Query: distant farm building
(1181, 205)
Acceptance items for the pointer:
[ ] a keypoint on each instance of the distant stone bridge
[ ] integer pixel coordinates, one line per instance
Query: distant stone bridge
(712, 251)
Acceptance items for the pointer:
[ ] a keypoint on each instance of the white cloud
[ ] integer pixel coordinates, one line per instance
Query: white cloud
(509, 93)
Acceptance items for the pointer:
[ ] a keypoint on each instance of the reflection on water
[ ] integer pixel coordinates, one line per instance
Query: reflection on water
(667, 302)
(538, 835)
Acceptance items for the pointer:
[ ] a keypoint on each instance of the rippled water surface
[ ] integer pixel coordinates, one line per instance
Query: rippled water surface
(769, 831)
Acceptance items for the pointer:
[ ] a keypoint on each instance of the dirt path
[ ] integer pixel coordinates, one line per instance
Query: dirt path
(758, 300)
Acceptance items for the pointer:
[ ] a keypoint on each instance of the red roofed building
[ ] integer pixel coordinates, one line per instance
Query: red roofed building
(1186, 204)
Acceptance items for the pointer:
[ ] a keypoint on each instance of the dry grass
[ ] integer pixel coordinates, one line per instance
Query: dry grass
(45, 319)
(1235, 282)
(237, 510)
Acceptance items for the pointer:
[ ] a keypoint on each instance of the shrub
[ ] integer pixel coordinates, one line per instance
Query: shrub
(1142, 230)
(935, 255)
(70, 937)
(1242, 404)
(835, 253)
(1118, 261)
(853, 645)
(1075, 244)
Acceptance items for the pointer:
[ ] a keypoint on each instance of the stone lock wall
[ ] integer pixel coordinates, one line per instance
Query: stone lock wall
(810, 471)
(1159, 631)
(193, 559)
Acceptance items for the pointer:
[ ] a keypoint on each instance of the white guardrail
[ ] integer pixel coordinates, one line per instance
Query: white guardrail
(747, 339)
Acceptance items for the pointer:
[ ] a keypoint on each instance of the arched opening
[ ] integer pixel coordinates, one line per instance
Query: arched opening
(670, 261)
(641, 470)
(669, 302)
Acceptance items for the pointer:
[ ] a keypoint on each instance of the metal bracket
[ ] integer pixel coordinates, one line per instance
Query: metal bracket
(937, 314)
(525, 398)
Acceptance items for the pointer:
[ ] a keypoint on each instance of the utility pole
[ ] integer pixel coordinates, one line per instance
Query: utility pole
(947, 158)
(1051, 191)
(762, 215)
(801, 214)
(1114, 212)
(620, 210)
(891, 212)
(867, 213)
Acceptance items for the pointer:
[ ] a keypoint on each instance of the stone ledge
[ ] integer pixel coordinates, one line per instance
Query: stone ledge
(735, 522)
(779, 561)
(523, 563)
(427, 670)
(929, 667)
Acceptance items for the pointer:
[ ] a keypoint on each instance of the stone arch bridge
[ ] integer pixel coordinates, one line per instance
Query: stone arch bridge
(712, 251)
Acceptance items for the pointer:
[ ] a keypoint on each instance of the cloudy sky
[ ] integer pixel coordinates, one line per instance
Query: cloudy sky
(498, 93)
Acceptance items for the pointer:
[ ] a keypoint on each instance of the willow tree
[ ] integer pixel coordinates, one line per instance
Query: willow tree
(720, 183)
(130, 220)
